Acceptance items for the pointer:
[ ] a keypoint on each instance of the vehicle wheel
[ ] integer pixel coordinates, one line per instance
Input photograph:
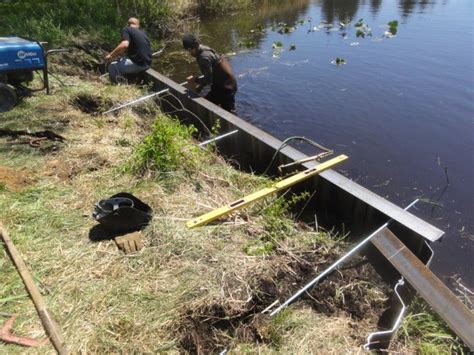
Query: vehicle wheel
(8, 98)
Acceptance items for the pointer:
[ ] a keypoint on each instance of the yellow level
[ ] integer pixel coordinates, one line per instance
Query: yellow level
(283, 184)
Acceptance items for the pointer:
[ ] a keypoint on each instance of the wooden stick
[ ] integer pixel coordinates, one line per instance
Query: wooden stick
(49, 324)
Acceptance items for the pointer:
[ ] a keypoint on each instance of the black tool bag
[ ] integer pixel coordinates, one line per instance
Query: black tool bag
(122, 212)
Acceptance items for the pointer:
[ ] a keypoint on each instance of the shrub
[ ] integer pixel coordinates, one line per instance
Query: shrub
(167, 148)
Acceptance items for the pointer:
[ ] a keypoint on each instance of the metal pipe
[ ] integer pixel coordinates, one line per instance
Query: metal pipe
(215, 139)
(388, 334)
(49, 324)
(141, 99)
(334, 266)
(396, 325)
(305, 160)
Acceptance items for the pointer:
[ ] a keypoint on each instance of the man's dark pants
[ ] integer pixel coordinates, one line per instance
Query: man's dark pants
(224, 98)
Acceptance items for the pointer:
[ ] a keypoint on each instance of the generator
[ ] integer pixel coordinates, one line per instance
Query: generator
(19, 59)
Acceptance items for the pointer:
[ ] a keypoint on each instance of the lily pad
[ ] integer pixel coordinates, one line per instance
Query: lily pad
(338, 61)
(359, 23)
(277, 44)
(286, 29)
(393, 25)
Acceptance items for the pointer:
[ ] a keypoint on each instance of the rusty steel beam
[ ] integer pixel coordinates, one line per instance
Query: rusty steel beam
(458, 317)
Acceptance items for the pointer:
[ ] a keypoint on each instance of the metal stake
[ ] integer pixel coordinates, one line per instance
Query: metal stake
(334, 266)
(141, 99)
(215, 139)
(396, 325)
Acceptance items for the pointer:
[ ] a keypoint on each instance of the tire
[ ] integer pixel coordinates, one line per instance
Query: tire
(8, 98)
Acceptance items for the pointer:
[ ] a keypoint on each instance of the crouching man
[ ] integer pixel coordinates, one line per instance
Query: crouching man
(138, 56)
(216, 71)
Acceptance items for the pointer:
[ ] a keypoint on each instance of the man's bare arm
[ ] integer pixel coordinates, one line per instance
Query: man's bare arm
(118, 51)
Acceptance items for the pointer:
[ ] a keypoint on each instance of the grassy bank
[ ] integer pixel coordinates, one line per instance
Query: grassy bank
(99, 21)
(196, 290)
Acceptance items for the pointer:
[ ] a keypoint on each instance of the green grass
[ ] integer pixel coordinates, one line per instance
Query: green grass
(105, 301)
(428, 333)
(59, 22)
(99, 21)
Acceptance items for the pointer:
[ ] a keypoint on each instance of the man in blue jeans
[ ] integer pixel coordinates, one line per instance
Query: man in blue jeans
(136, 44)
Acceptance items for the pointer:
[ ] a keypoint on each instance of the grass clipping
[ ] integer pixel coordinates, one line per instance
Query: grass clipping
(196, 291)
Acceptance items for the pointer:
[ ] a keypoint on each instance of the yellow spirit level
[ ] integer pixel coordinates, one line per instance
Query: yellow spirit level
(283, 184)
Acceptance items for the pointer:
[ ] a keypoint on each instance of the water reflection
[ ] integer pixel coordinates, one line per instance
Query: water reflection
(245, 25)
(341, 10)
(407, 7)
(375, 6)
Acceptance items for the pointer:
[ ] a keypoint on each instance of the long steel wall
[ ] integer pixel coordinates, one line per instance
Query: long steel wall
(337, 198)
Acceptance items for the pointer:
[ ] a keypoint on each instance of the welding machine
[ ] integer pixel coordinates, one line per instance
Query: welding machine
(19, 59)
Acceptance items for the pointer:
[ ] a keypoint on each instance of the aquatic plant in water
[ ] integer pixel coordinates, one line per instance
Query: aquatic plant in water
(362, 29)
(277, 44)
(359, 23)
(393, 27)
(339, 61)
(247, 43)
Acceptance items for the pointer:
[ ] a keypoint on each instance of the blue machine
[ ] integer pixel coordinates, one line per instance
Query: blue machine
(19, 59)
(17, 53)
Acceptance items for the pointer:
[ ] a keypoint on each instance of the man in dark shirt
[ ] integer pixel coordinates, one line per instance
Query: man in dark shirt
(216, 71)
(137, 45)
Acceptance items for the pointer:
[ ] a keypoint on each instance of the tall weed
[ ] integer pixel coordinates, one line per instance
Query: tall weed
(167, 148)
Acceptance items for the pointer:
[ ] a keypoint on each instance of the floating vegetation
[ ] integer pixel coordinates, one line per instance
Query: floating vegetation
(344, 24)
(292, 47)
(258, 29)
(338, 61)
(286, 29)
(359, 23)
(247, 43)
(277, 49)
(393, 27)
(277, 44)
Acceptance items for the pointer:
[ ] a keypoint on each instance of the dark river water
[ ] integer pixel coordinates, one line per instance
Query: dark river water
(402, 108)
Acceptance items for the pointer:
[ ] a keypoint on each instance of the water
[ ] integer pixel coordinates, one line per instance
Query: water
(401, 108)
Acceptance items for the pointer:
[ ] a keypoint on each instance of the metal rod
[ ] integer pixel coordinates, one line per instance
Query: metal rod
(215, 139)
(334, 266)
(141, 99)
(388, 333)
(49, 324)
(158, 52)
(305, 160)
